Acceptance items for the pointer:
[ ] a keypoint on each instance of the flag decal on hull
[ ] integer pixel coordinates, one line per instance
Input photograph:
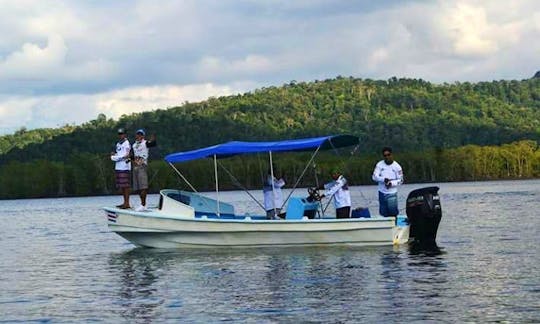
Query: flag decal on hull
(111, 216)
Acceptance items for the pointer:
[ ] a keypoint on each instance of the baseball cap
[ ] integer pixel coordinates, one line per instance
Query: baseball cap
(140, 131)
(121, 131)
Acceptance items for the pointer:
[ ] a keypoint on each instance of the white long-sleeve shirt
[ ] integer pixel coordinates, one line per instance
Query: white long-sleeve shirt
(340, 190)
(140, 152)
(273, 198)
(393, 172)
(121, 157)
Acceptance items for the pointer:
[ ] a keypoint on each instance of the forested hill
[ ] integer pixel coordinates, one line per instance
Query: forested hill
(408, 114)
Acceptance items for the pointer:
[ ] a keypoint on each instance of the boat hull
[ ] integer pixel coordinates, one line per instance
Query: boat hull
(156, 230)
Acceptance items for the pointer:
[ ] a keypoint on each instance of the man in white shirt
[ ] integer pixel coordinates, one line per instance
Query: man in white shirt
(389, 175)
(273, 197)
(140, 165)
(122, 167)
(339, 189)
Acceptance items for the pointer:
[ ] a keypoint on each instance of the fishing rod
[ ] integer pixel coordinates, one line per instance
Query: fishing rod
(321, 214)
(238, 184)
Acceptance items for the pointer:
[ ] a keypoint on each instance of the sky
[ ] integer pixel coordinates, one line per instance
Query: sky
(66, 62)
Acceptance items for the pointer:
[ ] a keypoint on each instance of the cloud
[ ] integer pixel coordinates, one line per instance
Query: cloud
(138, 99)
(479, 31)
(446, 42)
(56, 111)
(250, 65)
(469, 31)
(104, 52)
(32, 61)
(14, 113)
(48, 65)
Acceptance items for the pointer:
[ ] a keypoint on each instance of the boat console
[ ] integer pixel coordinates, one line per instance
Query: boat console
(190, 204)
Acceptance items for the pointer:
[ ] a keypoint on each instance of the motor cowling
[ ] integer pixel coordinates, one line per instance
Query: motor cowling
(424, 213)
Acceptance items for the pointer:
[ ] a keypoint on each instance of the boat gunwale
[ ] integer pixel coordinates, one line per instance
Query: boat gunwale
(153, 214)
(153, 230)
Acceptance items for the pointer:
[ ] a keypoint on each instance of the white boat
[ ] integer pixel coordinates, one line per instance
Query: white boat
(190, 220)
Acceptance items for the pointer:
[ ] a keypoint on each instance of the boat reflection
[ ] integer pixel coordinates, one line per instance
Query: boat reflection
(276, 282)
(136, 270)
(425, 248)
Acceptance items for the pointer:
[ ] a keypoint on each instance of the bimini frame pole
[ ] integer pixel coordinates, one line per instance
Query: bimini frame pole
(183, 178)
(272, 184)
(205, 201)
(217, 185)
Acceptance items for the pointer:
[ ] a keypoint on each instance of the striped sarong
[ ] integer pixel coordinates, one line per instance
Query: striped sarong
(123, 178)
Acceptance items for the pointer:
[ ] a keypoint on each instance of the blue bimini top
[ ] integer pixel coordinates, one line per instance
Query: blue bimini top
(236, 147)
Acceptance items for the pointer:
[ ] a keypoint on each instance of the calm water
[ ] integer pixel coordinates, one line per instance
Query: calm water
(60, 263)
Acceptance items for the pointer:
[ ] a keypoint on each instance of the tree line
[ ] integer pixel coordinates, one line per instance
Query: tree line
(92, 174)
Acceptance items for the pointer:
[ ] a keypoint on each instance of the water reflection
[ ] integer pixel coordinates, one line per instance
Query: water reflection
(392, 279)
(74, 271)
(429, 282)
(425, 248)
(299, 277)
(346, 284)
(136, 269)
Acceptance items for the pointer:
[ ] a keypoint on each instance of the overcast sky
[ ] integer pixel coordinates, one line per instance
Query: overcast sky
(65, 62)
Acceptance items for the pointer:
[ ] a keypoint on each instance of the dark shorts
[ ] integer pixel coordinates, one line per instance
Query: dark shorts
(122, 179)
(140, 177)
(343, 212)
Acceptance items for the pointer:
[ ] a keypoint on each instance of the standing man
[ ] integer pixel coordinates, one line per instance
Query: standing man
(273, 197)
(389, 175)
(339, 189)
(122, 167)
(140, 165)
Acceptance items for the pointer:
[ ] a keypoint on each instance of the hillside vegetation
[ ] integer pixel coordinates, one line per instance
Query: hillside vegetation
(439, 133)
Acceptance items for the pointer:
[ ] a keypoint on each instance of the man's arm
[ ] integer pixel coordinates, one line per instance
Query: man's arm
(123, 154)
(399, 176)
(377, 177)
(117, 157)
(331, 190)
(152, 141)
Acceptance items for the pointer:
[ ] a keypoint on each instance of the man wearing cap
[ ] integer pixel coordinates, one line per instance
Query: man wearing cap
(140, 165)
(122, 167)
(339, 189)
(389, 175)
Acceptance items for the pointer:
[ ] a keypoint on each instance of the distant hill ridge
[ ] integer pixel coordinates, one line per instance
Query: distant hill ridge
(408, 114)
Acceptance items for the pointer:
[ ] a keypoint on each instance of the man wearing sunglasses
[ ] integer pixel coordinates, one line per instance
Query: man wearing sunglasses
(389, 175)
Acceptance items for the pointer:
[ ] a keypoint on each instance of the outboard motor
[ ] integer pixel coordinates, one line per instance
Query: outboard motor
(424, 214)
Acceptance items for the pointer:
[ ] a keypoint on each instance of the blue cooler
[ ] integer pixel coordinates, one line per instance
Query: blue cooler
(300, 207)
(360, 213)
(402, 220)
